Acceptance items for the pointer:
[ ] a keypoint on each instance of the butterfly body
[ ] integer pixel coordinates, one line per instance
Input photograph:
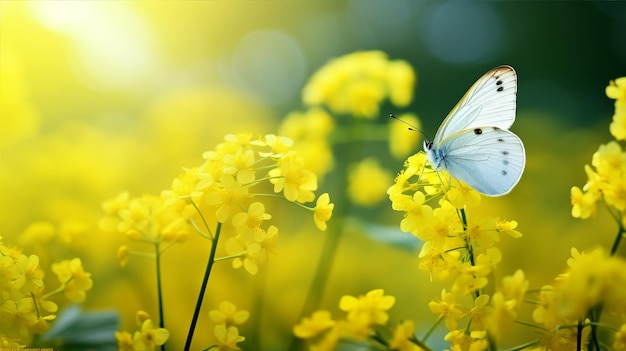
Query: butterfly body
(474, 144)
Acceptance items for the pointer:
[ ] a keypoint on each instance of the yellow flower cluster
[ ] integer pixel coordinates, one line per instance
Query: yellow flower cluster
(145, 219)
(593, 280)
(25, 309)
(146, 338)
(227, 318)
(455, 247)
(364, 314)
(357, 84)
(606, 177)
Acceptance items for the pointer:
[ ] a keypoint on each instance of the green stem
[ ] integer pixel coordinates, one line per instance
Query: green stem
(159, 289)
(205, 280)
(432, 329)
(618, 238)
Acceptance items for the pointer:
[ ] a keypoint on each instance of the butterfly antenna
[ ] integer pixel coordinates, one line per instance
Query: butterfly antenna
(411, 127)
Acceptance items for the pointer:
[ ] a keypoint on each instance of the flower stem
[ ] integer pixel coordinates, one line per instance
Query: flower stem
(159, 289)
(205, 280)
(618, 238)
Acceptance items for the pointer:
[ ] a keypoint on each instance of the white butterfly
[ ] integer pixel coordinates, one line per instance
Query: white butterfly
(474, 144)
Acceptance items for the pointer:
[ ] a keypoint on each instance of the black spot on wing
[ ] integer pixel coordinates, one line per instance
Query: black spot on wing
(478, 131)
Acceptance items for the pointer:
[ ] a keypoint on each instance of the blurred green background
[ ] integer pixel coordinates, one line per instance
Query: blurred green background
(105, 96)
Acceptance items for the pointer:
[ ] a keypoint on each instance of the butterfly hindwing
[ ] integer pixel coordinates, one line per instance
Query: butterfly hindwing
(489, 159)
(490, 101)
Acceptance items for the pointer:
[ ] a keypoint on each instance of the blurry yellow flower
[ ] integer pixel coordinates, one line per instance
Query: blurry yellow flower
(403, 141)
(368, 309)
(504, 313)
(617, 89)
(310, 131)
(20, 118)
(402, 336)
(401, 79)
(72, 274)
(124, 341)
(461, 341)
(592, 277)
(323, 211)
(38, 233)
(122, 255)
(296, 182)
(368, 182)
(227, 338)
(358, 83)
(316, 324)
(417, 213)
(229, 314)
(447, 308)
(619, 340)
(583, 204)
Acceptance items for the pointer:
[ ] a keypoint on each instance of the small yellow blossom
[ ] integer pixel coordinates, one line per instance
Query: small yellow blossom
(248, 224)
(402, 336)
(124, 341)
(227, 338)
(149, 336)
(447, 308)
(229, 314)
(72, 274)
(323, 211)
(368, 309)
(368, 182)
(296, 182)
(313, 326)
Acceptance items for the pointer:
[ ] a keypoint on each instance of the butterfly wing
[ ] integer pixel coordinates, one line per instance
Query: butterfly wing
(490, 160)
(490, 102)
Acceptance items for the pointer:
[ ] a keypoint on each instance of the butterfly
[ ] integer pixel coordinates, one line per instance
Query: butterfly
(474, 143)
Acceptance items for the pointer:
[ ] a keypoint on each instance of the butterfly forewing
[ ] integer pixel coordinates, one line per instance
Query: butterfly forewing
(490, 102)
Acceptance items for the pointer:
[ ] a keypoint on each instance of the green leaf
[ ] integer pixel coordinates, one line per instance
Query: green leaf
(76, 330)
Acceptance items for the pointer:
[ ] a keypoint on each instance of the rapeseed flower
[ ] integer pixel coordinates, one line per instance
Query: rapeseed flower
(74, 278)
(229, 314)
(356, 84)
(368, 182)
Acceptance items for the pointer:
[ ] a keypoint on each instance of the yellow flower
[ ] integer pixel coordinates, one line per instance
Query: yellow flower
(248, 224)
(313, 326)
(72, 274)
(461, 195)
(149, 336)
(240, 163)
(617, 89)
(253, 251)
(583, 204)
(323, 211)
(403, 141)
(227, 196)
(368, 309)
(368, 182)
(459, 340)
(508, 227)
(619, 340)
(402, 336)
(124, 341)
(358, 83)
(229, 314)
(227, 338)
(447, 308)
(296, 182)
(310, 131)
